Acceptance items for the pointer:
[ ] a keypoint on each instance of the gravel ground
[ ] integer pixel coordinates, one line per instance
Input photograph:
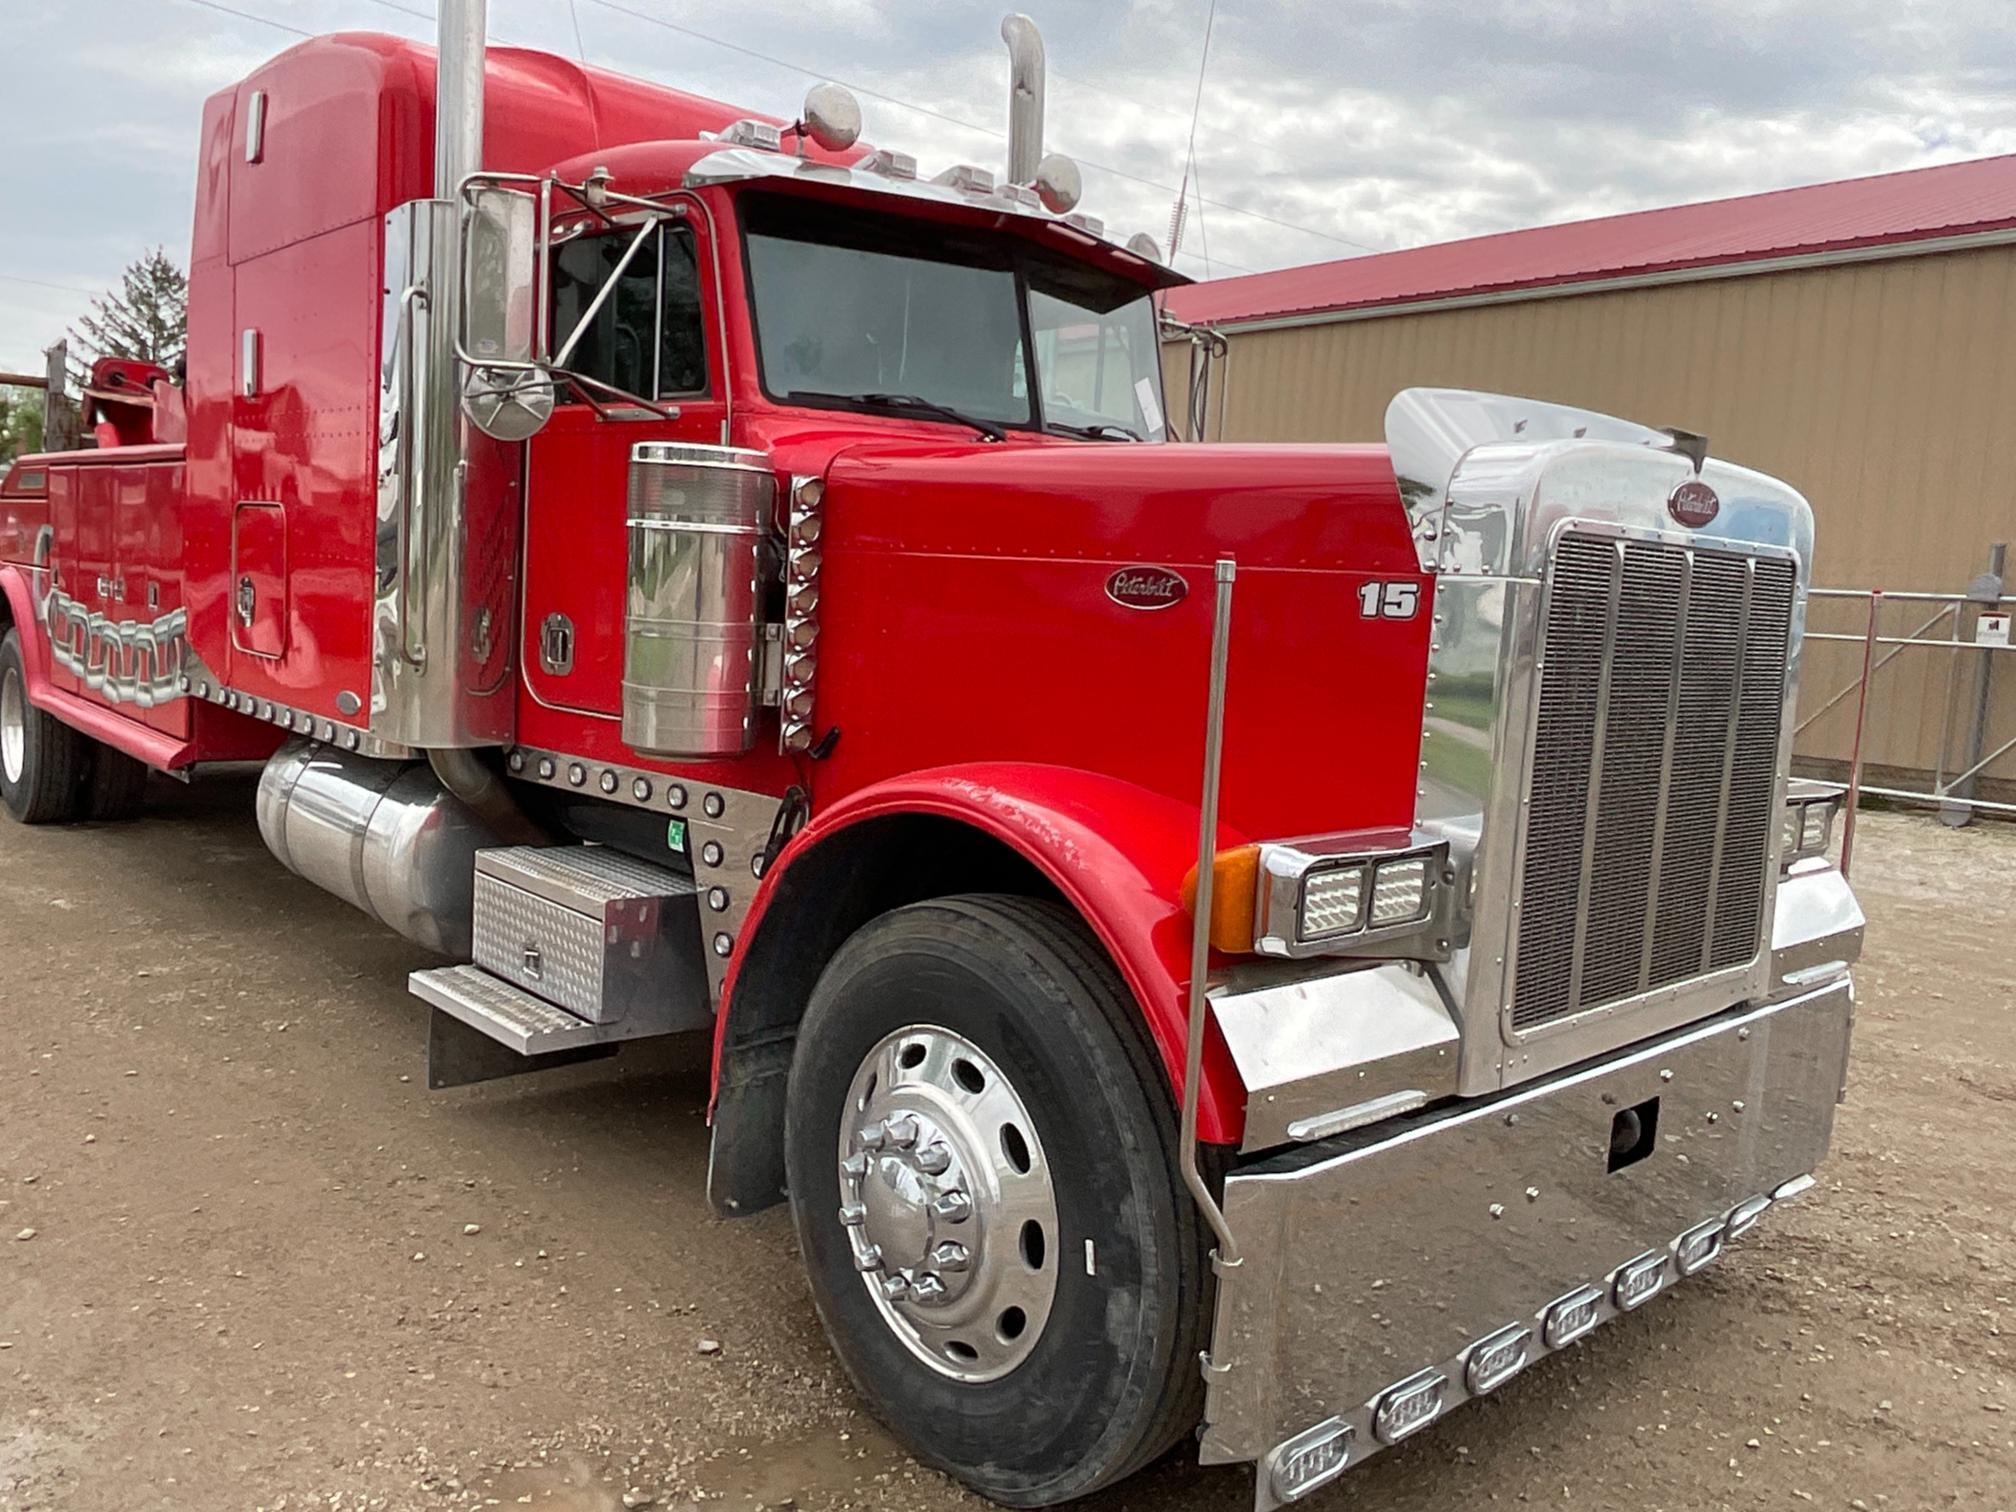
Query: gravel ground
(248, 1261)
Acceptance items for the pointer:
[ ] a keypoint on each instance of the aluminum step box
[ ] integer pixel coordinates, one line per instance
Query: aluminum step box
(608, 938)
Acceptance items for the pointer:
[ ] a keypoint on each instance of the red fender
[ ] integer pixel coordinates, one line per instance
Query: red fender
(1118, 854)
(101, 723)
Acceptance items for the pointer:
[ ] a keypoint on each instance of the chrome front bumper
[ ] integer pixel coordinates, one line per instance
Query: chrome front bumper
(1390, 1273)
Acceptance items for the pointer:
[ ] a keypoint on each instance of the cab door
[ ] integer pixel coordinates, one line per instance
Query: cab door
(654, 337)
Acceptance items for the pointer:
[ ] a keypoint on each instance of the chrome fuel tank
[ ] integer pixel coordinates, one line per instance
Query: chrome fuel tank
(381, 835)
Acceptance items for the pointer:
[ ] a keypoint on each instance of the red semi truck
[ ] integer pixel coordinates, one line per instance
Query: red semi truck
(1267, 941)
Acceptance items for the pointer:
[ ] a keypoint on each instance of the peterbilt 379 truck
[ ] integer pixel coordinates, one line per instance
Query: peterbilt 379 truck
(1261, 940)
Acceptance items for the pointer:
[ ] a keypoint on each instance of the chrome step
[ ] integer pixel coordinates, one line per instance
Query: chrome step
(516, 1018)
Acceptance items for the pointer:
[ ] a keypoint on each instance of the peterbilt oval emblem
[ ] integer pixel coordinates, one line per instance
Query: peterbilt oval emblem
(1693, 504)
(1146, 587)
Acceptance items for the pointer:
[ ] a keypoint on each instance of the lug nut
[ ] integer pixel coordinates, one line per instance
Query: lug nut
(894, 1288)
(902, 1131)
(855, 1166)
(934, 1160)
(928, 1288)
(953, 1207)
(869, 1259)
(854, 1214)
(949, 1254)
(874, 1135)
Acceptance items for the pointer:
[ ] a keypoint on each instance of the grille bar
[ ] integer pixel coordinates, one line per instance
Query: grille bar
(1652, 773)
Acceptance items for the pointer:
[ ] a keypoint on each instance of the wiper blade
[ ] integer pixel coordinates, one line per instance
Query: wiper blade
(1105, 430)
(913, 403)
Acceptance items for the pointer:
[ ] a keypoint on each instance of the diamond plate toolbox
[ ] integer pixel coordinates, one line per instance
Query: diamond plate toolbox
(592, 931)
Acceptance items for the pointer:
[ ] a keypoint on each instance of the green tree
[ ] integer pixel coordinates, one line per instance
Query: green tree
(20, 422)
(146, 317)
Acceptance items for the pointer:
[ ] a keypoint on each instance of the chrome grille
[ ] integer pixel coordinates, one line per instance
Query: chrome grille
(1652, 780)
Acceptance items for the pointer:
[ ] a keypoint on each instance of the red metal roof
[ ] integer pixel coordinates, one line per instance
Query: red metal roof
(1887, 209)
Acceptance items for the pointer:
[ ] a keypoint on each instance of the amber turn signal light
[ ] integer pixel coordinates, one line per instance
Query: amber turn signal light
(1235, 882)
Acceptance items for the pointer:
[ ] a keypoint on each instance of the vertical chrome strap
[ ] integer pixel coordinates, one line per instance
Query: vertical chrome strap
(1656, 860)
(1200, 929)
(1729, 733)
(1592, 810)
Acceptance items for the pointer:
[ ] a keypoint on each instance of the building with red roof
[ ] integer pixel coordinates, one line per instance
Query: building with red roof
(1855, 338)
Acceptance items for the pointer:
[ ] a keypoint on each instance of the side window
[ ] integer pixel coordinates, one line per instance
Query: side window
(682, 339)
(648, 337)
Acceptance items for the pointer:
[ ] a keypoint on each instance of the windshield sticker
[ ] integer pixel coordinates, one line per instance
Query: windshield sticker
(1144, 391)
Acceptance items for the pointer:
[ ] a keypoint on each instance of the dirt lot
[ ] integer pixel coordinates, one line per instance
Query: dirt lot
(268, 1269)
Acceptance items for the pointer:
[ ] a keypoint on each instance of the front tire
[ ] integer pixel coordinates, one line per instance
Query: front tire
(980, 1146)
(42, 760)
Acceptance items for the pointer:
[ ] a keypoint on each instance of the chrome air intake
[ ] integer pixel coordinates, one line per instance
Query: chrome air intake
(700, 543)
(1648, 823)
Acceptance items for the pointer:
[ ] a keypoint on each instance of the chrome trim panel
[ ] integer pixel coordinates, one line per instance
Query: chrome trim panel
(1491, 484)
(726, 832)
(446, 550)
(1374, 1259)
(1313, 1052)
(198, 681)
(1817, 929)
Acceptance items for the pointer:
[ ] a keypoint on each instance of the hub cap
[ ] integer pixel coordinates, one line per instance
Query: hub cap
(947, 1203)
(13, 725)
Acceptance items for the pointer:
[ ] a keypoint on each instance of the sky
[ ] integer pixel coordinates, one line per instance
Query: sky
(1324, 128)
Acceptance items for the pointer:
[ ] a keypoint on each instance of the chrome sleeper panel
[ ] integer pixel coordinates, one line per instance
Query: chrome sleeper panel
(1369, 1257)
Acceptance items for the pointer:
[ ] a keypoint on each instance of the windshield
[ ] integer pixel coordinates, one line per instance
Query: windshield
(885, 312)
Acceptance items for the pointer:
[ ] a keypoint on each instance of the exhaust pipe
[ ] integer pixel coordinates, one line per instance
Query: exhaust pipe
(1025, 97)
(458, 93)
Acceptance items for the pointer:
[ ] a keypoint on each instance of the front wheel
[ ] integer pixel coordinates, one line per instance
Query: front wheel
(42, 760)
(980, 1145)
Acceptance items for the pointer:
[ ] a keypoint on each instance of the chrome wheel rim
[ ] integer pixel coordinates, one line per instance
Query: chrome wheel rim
(13, 725)
(947, 1203)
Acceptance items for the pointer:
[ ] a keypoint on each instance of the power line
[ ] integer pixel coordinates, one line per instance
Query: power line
(393, 5)
(248, 16)
(43, 283)
(1190, 148)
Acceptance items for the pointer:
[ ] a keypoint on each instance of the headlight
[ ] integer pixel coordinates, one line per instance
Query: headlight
(1332, 900)
(1378, 893)
(1400, 892)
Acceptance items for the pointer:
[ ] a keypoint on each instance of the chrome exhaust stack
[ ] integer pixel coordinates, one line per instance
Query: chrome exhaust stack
(1025, 97)
(447, 516)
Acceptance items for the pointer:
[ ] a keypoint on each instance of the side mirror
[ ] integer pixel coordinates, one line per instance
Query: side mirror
(503, 396)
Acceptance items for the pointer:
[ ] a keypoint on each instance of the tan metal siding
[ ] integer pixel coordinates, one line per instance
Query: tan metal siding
(1883, 390)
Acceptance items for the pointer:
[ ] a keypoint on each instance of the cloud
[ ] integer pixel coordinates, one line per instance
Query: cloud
(1383, 123)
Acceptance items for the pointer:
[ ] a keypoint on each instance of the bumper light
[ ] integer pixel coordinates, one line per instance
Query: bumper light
(1572, 1316)
(1699, 1247)
(1409, 1407)
(1810, 808)
(1495, 1360)
(1639, 1281)
(1310, 1459)
(1743, 1217)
